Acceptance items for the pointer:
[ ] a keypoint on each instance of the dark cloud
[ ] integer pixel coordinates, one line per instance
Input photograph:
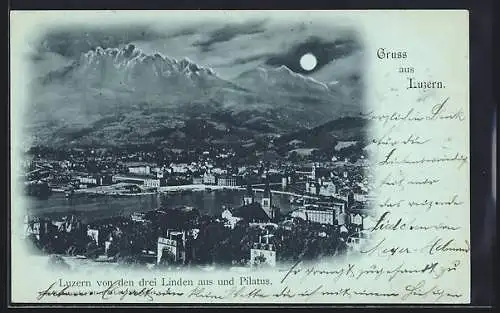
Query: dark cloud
(182, 33)
(72, 43)
(325, 52)
(300, 27)
(37, 57)
(245, 60)
(229, 32)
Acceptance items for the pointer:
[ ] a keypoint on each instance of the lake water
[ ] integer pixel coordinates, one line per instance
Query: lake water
(211, 203)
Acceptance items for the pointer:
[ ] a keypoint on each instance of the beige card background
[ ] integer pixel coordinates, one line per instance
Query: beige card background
(436, 43)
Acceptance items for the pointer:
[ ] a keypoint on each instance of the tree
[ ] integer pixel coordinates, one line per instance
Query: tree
(341, 247)
(91, 250)
(259, 260)
(167, 258)
(294, 157)
(58, 263)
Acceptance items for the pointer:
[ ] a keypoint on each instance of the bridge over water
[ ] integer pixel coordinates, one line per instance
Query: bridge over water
(285, 193)
(289, 193)
(215, 187)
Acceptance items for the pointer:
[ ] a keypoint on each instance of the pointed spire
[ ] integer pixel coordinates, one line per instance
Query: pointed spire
(267, 190)
(249, 190)
(248, 198)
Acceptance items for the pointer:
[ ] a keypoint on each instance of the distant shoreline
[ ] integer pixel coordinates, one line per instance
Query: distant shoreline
(168, 189)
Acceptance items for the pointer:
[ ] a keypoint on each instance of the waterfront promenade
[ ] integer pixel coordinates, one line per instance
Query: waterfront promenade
(116, 190)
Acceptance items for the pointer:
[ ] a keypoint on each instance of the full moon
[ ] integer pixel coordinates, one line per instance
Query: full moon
(308, 62)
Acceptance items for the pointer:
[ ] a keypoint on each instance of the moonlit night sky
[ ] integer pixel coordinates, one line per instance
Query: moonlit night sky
(228, 47)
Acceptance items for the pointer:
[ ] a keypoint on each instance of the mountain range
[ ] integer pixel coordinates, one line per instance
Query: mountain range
(118, 96)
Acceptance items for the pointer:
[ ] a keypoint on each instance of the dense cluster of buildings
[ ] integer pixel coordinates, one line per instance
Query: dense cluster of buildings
(83, 169)
(176, 236)
(330, 202)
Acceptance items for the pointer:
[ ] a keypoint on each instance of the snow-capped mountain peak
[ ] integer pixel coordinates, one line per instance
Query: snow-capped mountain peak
(282, 75)
(132, 67)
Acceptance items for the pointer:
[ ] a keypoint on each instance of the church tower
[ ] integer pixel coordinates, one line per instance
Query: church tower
(248, 198)
(275, 213)
(266, 199)
(313, 172)
(350, 200)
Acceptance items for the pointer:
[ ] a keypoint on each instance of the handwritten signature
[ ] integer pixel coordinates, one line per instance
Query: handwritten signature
(410, 291)
(375, 271)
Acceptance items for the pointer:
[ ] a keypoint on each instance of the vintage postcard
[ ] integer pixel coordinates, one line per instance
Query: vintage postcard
(240, 157)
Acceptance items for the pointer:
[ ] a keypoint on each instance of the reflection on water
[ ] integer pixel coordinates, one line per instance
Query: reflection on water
(211, 203)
